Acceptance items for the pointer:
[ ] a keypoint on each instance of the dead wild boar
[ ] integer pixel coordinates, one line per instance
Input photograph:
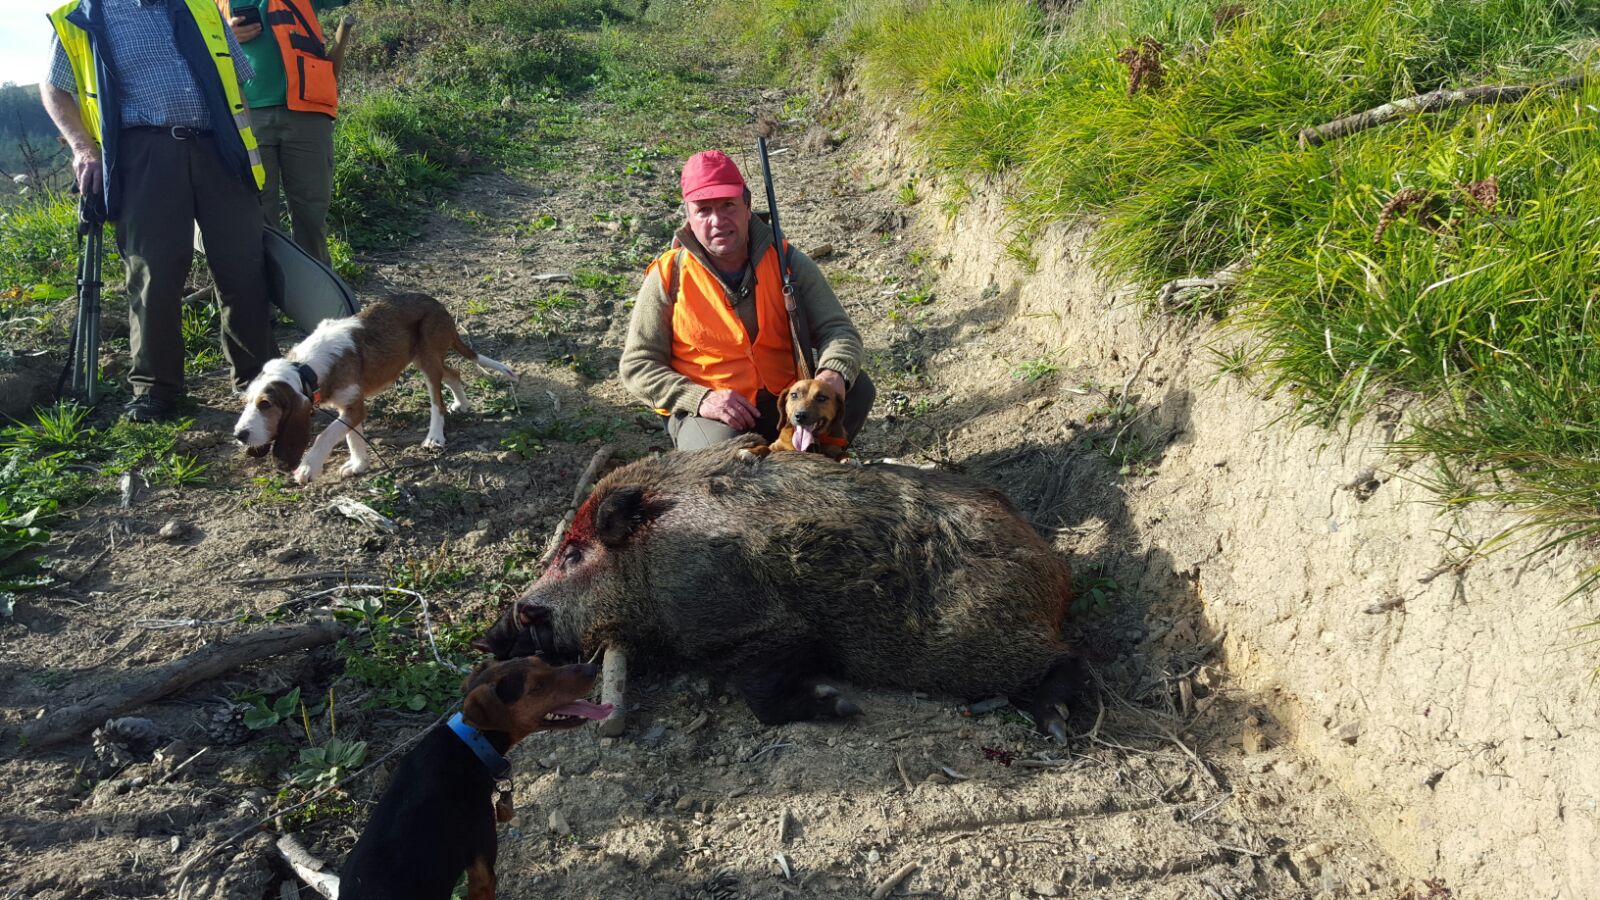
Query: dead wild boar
(780, 572)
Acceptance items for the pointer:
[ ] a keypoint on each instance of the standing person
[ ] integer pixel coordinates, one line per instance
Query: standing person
(146, 93)
(293, 100)
(709, 342)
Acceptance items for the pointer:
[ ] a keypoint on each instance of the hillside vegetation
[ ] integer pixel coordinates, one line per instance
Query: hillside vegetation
(1447, 259)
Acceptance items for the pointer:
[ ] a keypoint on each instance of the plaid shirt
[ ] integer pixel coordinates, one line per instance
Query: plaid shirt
(157, 86)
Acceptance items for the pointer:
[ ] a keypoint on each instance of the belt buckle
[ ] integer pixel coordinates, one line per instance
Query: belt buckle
(182, 133)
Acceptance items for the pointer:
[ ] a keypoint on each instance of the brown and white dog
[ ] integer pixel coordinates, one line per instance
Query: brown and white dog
(341, 364)
(813, 420)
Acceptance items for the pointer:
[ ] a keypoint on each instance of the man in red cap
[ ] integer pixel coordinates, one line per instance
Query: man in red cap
(709, 344)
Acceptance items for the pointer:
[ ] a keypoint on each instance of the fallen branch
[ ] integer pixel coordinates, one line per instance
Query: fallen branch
(585, 482)
(140, 688)
(288, 579)
(888, 885)
(1433, 101)
(308, 867)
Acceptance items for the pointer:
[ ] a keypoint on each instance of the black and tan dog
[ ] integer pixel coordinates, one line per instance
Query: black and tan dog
(437, 818)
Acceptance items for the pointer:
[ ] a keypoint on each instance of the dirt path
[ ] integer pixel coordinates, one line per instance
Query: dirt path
(697, 800)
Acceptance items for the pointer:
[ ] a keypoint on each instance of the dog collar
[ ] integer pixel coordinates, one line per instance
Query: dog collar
(832, 441)
(308, 381)
(497, 765)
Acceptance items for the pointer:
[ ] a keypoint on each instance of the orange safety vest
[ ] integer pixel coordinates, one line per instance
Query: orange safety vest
(709, 343)
(306, 65)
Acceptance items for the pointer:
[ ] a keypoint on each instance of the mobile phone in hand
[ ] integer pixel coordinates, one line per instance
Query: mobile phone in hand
(250, 14)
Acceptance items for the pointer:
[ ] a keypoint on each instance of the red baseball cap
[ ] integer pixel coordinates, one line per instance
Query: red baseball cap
(711, 174)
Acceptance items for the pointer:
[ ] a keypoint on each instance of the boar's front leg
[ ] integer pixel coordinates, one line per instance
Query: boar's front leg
(779, 690)
(1048, 701)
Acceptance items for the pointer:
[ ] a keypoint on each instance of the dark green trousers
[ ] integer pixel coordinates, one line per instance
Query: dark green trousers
(168, 185)
(297, 150)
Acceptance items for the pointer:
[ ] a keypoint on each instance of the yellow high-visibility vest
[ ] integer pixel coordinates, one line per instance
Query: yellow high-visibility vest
(80, 54)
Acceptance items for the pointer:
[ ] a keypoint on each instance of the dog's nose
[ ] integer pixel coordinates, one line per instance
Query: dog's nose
(801, 417)
(243, 434)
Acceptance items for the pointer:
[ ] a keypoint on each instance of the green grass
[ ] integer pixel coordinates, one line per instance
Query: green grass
(1485, 314)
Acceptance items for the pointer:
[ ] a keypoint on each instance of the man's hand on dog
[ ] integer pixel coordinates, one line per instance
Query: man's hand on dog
(832, 379)
(729, 408)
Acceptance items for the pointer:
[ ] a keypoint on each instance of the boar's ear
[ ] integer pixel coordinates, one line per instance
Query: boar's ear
(621, 512)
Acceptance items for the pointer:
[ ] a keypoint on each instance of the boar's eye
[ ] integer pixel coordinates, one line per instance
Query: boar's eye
(571, 556)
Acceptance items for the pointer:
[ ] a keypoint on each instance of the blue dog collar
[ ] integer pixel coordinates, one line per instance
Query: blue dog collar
(497, 765)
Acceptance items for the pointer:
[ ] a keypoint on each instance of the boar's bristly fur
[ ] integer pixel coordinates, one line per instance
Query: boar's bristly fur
(779, 571)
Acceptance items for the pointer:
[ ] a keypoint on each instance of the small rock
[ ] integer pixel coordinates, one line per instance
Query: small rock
(1046, 889)
(873, 856)
(285, 554)
(1349, 732)
(173, 530)
(174, 844)
(558, 823)
(684, 804)
(608, 741)
(1288, 768)
(549, 762)
(937, 778)
(477, 540)
(507, 457)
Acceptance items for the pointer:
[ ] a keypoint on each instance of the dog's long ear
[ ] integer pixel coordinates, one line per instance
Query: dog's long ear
(836, 421)
(621, 511)
(294, 433)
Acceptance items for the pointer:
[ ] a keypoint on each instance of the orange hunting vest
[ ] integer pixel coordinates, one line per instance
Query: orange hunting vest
(709, 342)
(305, 57)
(306, 66)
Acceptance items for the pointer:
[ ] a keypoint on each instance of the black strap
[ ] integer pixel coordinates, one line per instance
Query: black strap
(308, 379)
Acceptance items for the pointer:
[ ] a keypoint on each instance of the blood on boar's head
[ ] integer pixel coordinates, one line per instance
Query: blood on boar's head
(553, 618)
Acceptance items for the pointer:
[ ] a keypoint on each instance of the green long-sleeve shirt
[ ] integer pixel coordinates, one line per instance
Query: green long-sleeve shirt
(269, 87)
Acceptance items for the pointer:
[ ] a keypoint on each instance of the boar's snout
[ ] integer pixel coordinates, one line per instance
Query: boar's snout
(526, 629)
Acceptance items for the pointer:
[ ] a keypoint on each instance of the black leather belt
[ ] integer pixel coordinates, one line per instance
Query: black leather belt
(176, 132)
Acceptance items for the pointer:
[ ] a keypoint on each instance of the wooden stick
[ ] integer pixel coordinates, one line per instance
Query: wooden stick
(308, 867)
(614, 690)
(139, 688)
(341, 43)
(893, 881)
(1434, 101)
(585, 482)
(299, 576)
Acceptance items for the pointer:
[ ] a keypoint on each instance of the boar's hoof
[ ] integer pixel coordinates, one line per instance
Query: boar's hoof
(832, 702)
(1048, 704)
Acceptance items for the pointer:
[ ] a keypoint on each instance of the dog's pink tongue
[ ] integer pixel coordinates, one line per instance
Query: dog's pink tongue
(803, 438)
(584, 709)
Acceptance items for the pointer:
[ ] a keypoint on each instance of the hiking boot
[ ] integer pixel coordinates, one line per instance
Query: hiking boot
(146, 408)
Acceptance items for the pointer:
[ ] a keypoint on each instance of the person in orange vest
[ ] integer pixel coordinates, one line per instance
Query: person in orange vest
(709, 342)
(293, 101)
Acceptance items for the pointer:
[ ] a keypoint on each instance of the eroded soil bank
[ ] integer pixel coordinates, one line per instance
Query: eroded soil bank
(1448, 694)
